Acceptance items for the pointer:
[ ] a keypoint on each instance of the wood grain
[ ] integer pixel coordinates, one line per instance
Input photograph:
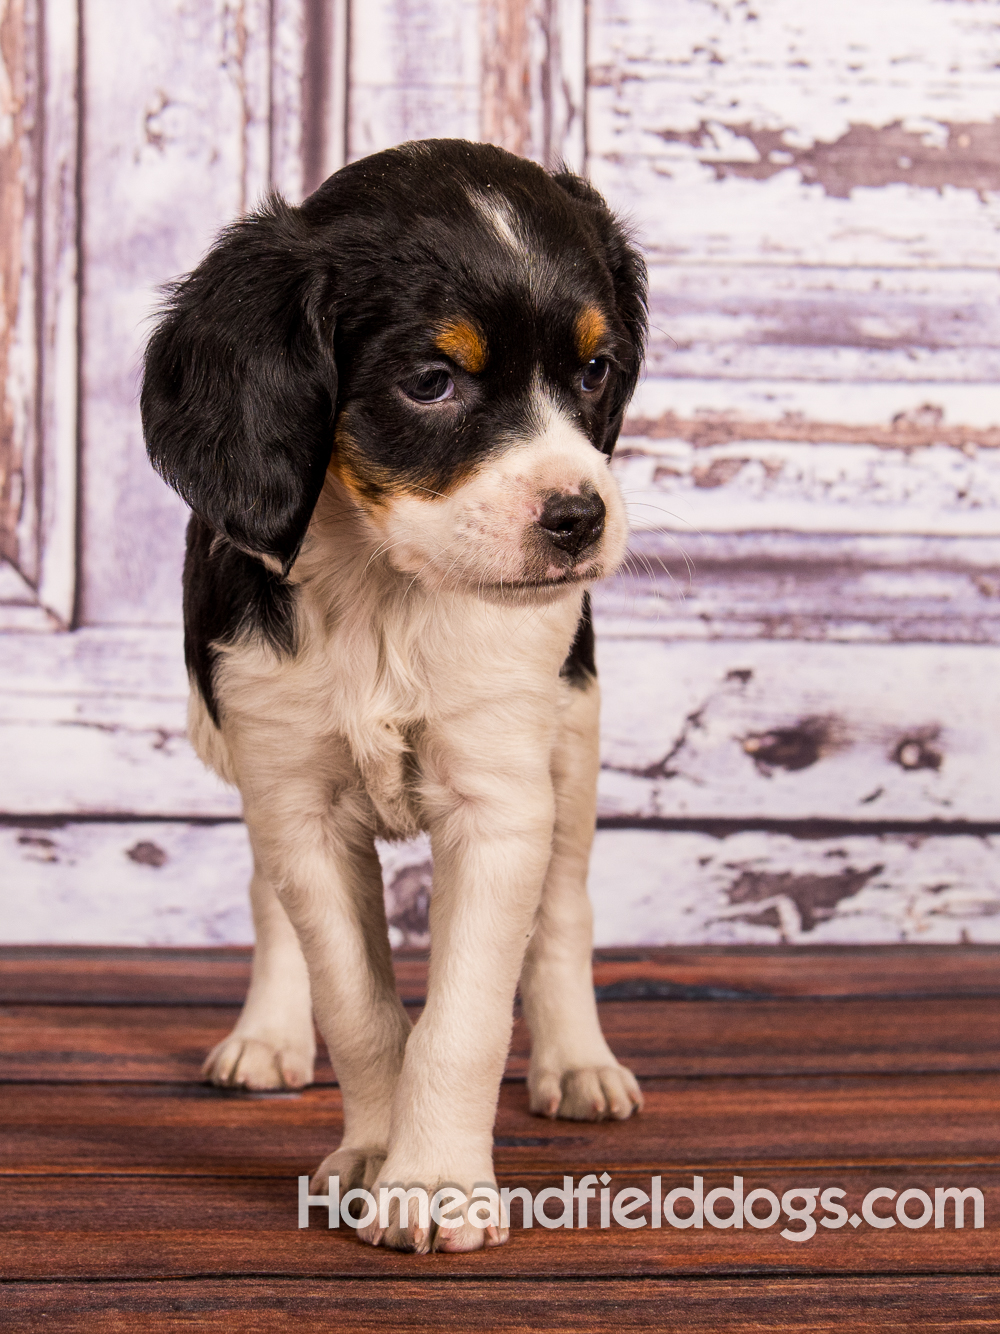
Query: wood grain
(15, 200)
(721, 128)
(159, 1044)
(820, 322)
(934, 1303)
(733, 1123)
(122, 975)
(679, 878)
(176, 146)
(414, 73)
(98, 741)
(116, 1228)
(769, 485)
(818, 587)
(684, 730)
(174, 1205)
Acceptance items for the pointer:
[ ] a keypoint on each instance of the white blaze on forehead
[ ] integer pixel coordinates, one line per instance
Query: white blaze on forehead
(502, 221)
(507, 228)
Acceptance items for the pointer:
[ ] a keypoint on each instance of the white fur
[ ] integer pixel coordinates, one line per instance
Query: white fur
(415, 702)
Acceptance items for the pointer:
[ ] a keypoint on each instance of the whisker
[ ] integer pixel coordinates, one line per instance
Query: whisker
(429, 491)
(430, 561)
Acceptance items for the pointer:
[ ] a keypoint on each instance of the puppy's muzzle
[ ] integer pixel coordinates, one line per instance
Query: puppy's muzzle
(572, 523)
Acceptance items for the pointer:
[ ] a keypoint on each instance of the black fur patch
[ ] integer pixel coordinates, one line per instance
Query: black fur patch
(240, 383)
(228, 594)
(580, 669)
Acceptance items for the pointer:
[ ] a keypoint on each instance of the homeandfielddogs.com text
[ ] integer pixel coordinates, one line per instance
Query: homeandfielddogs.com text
(589, 1203)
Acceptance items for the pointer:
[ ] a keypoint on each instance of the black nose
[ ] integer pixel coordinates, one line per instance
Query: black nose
(572, 522)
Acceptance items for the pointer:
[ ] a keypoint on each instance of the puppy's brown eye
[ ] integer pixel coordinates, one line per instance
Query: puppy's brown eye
(594, 374)
(430, 387)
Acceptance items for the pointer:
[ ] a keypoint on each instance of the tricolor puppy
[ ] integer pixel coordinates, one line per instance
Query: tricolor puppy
(392, 411)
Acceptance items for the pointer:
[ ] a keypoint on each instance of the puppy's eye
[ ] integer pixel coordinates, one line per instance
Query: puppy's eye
(430, 387)
(594, 374)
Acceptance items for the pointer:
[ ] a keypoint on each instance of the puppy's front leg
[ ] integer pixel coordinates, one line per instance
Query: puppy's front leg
(273, 1044)
(573, 1072)
(310, 827)
(491, 831)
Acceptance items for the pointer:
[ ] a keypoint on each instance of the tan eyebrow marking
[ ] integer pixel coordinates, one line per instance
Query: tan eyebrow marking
(466, 346)
(591, 328)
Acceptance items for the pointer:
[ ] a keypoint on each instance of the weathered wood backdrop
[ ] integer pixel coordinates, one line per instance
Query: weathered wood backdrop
(800, 663)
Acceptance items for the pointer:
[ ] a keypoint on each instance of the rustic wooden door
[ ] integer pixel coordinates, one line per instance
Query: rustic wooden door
(799, 662)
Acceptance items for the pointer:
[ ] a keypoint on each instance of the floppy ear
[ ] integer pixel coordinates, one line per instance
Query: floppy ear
(240, 385)
(628, 277)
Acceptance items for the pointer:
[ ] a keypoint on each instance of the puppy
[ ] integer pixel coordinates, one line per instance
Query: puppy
(391, 411)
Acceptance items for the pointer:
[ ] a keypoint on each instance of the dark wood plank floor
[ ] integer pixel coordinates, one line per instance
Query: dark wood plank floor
(133, 1197)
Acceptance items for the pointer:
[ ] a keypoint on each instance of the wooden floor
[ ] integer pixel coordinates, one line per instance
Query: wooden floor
(135, 1198)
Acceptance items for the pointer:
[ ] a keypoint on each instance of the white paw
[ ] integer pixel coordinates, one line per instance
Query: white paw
(256, 1063)
(593, 1093)
(457, 1232)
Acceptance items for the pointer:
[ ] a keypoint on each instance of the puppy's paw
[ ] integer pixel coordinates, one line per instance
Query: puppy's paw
(357, 1168)
(240, 1061)
(457, 1231)
(594, 1093)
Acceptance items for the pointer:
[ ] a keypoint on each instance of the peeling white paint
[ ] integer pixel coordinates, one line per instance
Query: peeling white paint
(771, 485)
(78, 884)
(674, 889)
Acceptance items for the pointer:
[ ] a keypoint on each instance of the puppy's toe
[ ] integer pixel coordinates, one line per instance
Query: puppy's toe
(468, 1237)
(258, 1065)
(582, 1096)
(414, 1239)
(357, 1169)
(622, 1094)
(545, 1094)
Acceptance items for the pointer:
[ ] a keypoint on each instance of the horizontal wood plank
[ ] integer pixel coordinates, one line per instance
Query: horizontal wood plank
(691, 731)
(96, 740)
(741, 693)
(115, 1228)
(174, 883)
(713, 408)
(122, 1198)
(758, 887)
(154, 1044)
(773, 321)
(932, 1302)
(798, 730)
(122, 975)
(817, 587)
(768, 485)
(733, 1123)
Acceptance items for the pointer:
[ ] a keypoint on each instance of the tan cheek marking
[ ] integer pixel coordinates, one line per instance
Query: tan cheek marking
(365, 486)
(374, 489)
(591, 329)
(464, 344)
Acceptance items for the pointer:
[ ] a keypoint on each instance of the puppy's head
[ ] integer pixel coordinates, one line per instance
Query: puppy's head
(449, 333)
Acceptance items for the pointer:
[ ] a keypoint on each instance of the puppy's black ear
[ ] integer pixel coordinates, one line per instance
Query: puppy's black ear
(628, 276)
(240, 384)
